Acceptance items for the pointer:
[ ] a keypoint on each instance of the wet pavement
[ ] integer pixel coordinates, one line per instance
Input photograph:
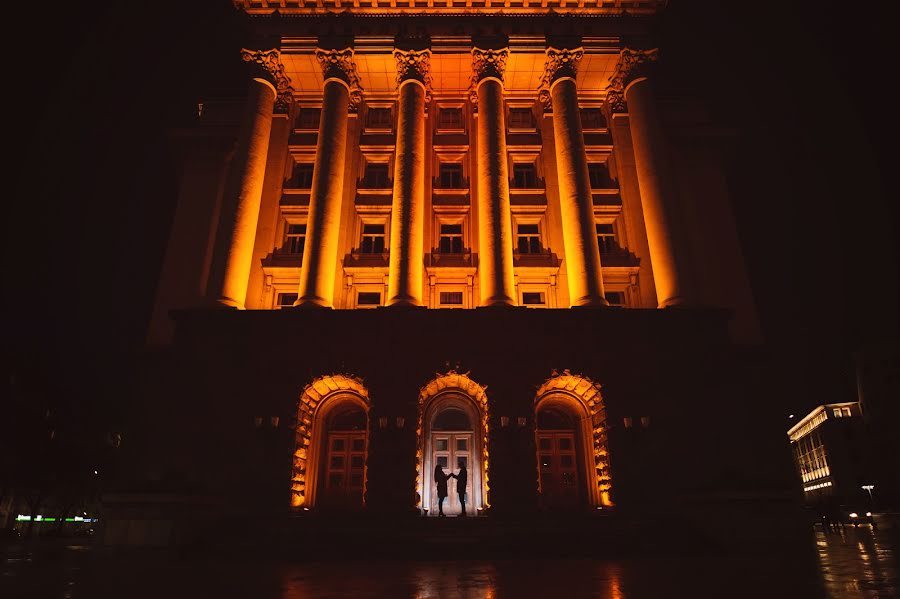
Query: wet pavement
(847, 563)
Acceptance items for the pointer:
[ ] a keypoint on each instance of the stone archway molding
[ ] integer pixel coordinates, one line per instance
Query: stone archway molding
(588, 396)
(309, 413)
(452, 381)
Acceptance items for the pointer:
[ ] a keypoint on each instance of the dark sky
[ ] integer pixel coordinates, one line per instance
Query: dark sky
(91, 94)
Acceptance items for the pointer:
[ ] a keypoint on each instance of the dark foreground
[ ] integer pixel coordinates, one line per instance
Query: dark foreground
(846, 563)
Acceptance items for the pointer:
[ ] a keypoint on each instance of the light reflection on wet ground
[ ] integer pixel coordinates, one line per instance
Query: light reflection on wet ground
(850, 563)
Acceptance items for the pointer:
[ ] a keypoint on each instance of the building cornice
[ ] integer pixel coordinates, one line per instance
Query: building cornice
(510, 8)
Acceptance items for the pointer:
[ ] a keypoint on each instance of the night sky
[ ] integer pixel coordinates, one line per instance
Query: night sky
(92, 92)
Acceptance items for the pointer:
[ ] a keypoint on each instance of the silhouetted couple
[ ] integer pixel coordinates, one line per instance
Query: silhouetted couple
(441, 480)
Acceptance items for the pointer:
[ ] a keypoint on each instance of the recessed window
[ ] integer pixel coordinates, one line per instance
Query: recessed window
(615, 298)
(528, 239)
(524, 175)
(451, 241)
(451, 175)
(451, 298)
(533, 298)
(308, 118)
(592, 118)
(599, 176)
(372, 239)
(846, 412)
(303, 175)
(450, 118)
(521, 118)
(378, 118)
(368, 298)
(606, 239)
(285, 300)
(376, 176)
(294, 239)
(837, 412)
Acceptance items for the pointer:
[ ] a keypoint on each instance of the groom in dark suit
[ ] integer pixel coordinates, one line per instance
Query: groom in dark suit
(462, 478)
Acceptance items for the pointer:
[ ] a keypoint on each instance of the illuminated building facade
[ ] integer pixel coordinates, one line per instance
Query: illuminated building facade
(450, 232)
(831, 453)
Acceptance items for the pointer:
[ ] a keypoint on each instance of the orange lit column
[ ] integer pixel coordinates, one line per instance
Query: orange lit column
(244, 189)
(668, 253)
(317, 271)
(408, 209)
(575, 201)
(495, 242)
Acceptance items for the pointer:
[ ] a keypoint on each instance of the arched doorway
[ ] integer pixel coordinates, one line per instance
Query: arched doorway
(331, 445)
(572, 449)
(452, 427)
(559, 460)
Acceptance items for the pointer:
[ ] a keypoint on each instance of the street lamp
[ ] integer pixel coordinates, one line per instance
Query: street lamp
(871, 501)
(869, 489)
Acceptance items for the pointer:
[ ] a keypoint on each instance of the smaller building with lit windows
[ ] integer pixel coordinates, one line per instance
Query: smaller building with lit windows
(831, 454)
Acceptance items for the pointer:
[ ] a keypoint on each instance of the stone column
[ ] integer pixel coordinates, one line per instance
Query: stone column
(243, 193)
(575, 199)
(495, 239)
(631, 88)
(408, 209)
(320, 253)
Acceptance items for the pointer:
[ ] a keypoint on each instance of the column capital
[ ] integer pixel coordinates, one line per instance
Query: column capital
(561, 62)
(413, 65)
(486, 63)
(269, 62)
(339, 64)
(614, 103)
(633, 64)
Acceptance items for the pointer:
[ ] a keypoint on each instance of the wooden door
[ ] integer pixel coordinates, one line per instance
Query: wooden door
(345, 469)
(558, 467)
(448, 449)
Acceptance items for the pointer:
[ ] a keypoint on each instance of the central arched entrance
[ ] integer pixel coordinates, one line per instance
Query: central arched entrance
(452, 429)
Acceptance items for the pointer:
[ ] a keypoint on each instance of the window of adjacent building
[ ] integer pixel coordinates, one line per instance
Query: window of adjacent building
(294, 239)
(285, 300)
(303, 175)
(592, 118)
(524, 175)
(372, 239)
(533, 298)
(846, 412)
(606, 238)
(837, 412)
(376, 176)
(308, 118)
(616, 298)
(599, 176)
(450, 118)
(521, 118)
(378, 118)
(451, 239)
(451, 298)
(451, 175)
(528, 239)
(368, 298)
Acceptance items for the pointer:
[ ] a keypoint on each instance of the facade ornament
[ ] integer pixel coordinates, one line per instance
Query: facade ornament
(269, 61)
(632, 64)
(614, 103)
(414, 65)
(560, 63)
(339, 64)
(486, 63)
